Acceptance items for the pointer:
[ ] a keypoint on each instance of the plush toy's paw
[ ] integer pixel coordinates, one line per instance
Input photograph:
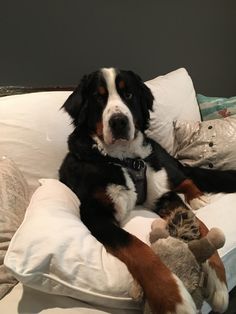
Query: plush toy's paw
(199, 202)
(158, 223)
(136, 291)
(216, 291)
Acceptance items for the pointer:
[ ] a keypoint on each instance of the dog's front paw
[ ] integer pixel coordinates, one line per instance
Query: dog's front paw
(216, 291)
(186, 306)
(171, 298)
(199, 202)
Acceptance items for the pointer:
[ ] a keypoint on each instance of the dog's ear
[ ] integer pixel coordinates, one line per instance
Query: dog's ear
(144, 92)
(146, 99)
(76, 104)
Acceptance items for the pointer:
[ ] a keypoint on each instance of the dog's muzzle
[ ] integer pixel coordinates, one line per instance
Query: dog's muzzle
(119, 126)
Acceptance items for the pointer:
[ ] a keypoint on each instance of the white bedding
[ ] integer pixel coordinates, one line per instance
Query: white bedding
(24, 300)
(220, 213)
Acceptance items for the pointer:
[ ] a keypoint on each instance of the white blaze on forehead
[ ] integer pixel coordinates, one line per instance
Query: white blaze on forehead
(114, 105)
(109, 75)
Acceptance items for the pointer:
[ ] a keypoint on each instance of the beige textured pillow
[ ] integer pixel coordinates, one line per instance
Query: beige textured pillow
(14, 198)
(207, 144)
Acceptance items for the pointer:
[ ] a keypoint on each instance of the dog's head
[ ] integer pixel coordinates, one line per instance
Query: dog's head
(112, 104)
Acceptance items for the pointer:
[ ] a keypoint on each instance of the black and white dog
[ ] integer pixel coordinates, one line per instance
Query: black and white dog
(112, 166)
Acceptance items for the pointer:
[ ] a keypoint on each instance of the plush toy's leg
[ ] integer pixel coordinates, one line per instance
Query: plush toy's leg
(216, 290)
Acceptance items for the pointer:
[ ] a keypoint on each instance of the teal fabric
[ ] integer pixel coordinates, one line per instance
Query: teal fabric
(216, 107)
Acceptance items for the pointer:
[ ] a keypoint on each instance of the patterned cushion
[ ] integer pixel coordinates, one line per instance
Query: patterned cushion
(206, 144)
(13, 202)
(216, 107)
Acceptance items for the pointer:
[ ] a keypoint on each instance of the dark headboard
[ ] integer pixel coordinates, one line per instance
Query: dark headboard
(53, 43)
(16, 90)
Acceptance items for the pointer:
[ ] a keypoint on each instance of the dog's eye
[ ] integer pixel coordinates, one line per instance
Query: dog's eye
(128, 95)
(99, 98)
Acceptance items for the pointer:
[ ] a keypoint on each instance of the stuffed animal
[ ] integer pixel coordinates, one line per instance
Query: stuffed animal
(183, 258)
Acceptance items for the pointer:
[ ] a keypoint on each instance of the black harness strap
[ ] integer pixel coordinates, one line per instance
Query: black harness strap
(136, 168)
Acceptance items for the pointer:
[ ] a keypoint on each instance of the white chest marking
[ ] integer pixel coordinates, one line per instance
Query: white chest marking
(132, 149)
(124, 199)
(157, 185)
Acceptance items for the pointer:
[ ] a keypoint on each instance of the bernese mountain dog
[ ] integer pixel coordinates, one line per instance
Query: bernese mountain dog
(112, 166)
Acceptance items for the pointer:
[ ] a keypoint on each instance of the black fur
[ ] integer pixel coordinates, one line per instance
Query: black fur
(214, 181)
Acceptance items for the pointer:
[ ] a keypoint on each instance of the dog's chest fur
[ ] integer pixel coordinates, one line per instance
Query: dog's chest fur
(157, 185)
(126, 198)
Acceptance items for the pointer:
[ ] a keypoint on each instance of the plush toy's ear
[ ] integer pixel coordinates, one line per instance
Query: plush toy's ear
(205, 247)
(159, 230)
(76, 103)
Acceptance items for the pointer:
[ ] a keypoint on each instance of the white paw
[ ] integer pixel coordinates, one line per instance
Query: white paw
(187, 306)
(220, 300)
(199, 202)
(216, 291)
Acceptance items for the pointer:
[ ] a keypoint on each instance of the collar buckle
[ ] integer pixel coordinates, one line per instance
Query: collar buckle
(137, 164)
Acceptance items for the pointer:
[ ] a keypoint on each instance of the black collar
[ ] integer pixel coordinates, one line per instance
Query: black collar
(136, 164)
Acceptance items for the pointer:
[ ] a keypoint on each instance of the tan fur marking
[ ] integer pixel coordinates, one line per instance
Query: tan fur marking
(99, 129)
(102, 90)
(102, 197)
(189, 189)
(214, 261)
(121, 84)
(155, 278)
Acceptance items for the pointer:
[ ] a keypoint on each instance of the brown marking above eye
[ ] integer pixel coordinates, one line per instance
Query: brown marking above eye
(121, 84)
(99, 129)
(102, 197)
(102, 90)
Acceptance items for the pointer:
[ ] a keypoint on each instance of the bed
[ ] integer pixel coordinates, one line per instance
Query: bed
(33, 137)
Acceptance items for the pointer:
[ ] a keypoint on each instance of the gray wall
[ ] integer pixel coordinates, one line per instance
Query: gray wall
(55, 42)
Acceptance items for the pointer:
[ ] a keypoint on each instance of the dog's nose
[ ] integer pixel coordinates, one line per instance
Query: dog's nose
(119, 124)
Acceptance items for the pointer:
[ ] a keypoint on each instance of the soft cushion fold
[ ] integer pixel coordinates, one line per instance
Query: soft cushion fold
(14, 198)
(54, 252)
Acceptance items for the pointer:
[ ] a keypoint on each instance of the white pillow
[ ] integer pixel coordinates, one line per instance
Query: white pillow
(54, 252)
(175, 98)
(34, 133)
